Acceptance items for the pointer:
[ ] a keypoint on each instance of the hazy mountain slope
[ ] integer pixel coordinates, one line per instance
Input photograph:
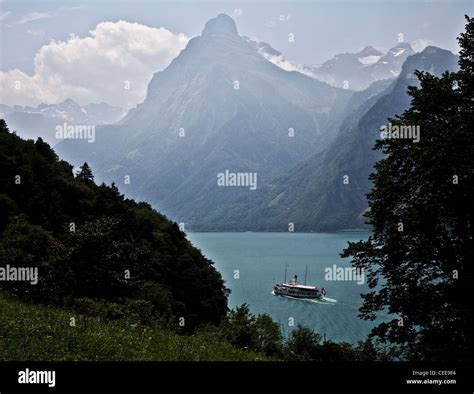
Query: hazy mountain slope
(313, 195)
(241, 130)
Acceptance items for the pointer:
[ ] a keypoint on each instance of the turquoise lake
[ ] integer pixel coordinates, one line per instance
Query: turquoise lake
(260, 260)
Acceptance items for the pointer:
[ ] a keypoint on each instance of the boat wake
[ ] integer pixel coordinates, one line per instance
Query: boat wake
(330, 300)
(324, 300)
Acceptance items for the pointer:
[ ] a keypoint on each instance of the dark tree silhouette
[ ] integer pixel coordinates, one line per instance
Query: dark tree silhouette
(85, 173)
(115, 189)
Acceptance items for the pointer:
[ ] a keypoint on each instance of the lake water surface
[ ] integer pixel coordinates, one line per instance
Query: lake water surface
(260, 260)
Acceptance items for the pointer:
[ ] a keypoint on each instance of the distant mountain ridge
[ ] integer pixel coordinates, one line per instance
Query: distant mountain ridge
(356, 71)
(41, 121)
(359, 70)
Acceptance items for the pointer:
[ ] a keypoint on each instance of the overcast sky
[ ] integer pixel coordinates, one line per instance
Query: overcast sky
(81, 48)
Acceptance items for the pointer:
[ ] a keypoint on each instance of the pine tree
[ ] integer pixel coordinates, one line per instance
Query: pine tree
(115, 189)
(85, 173)
(419, 258)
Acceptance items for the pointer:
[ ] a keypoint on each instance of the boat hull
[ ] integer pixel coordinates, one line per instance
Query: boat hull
(294, 294)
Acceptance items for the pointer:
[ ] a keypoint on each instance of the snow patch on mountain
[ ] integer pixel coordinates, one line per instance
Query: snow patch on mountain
(283, 63)
(367, 60)
(397, 52)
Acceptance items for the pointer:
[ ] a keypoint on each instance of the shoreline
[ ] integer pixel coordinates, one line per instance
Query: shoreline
(280, 232)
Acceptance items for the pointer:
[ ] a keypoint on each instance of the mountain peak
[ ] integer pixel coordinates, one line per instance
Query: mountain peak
(368, 51)
(221, 25)
(68, 102)
(402, 48)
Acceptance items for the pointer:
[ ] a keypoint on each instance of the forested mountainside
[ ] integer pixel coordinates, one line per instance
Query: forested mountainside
(92, 245)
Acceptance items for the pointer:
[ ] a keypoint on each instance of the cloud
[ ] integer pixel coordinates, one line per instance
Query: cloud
(35, 33)
(33, 16)
(419, 44)
(4, 15)
(237, 12)
(96, 68)
(68, 8)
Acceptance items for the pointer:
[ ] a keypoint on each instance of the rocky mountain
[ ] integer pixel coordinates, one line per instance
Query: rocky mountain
(43, 120)
(219, 106)
(363, 68)
(327, 192)
(227, 140)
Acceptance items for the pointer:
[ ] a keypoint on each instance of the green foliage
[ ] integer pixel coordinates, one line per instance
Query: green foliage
(427, 187)
(107, 331)
(303, 344)
(260, 333)
(269, 336)
(246, 331)
(240, 327)
(26, 245)
(39, 333)
(7, 210)
(85, 238)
